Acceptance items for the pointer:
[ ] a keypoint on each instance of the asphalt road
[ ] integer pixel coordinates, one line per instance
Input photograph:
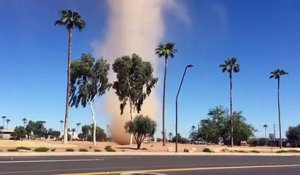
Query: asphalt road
(177, 165)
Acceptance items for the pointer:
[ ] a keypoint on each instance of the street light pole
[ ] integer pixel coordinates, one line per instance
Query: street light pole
(176, 121)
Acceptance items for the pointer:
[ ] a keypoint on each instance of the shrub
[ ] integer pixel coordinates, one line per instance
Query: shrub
(83, 150)
(41, 149)
(97, 150)
(12, 150)
(288, 151)
(239, 151)
(186, 150)
(293, 151)
(23, 148)
(207, 150)
(108, 148)
(53, 149)
(254, 151)
(70, 150)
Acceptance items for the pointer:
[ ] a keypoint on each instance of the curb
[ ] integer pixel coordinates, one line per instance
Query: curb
(24, 154)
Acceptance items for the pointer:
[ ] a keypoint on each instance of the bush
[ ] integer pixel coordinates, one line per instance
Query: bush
(70, 150)
(41, 149)
(186, 150)
(12, 150)
(239, 151)
(53, 149)
(254, 151)
(97, 150)
(108, 148)
(207, 150)
(288, 151)
(23, 148)
(83, 150)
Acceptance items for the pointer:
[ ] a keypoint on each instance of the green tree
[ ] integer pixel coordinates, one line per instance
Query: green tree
(165, 51)
(215, 127)
(36, 128)
(86, 130)
(134, 82)
(71, 20)
(88, 80)
(231, 67)
(193, 133)
(141, 127)
(19, 133)
(293, 134)
(276, 74)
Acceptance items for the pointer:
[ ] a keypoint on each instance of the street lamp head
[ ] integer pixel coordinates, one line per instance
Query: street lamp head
(190, 65)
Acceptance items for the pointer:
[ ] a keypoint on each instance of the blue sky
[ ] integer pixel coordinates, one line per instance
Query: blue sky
(262, 35)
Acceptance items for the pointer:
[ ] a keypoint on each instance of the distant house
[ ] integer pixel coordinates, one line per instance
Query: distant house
(6, 133)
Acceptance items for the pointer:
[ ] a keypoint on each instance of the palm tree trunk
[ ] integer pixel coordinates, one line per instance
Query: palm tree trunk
(231, 117)
(94, 122)
(279, 118)
(265, 136)
(164, 102)
(68, 86)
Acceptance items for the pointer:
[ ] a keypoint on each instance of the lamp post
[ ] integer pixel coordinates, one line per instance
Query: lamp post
(176, 123)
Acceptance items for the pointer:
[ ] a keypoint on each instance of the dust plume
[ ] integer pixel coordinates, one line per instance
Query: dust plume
(134, 26)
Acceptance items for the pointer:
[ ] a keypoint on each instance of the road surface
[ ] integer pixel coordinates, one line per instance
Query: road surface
(177, 165)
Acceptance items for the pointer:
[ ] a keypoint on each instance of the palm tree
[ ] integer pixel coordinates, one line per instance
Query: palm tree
(170, 136)
(24, 121)
(276, 74)
(265, 126)
(231, 67)
(70, 19)
(78, 124)
(7, 121)
(61, 125)
(165, 50)
(3, 118)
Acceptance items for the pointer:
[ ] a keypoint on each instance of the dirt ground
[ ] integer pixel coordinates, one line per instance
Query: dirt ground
(146, 147)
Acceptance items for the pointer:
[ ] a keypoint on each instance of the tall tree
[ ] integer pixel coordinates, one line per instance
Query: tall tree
(231, 67)
(61, 125)
(276, 74)
(265, 126)
(165, 51)
(24, 120)
(88, 80)
(78, 125)
(215, 127)
(170, 136)
(71, 20)
(134, 82)
(3, 118)
(7, 121)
